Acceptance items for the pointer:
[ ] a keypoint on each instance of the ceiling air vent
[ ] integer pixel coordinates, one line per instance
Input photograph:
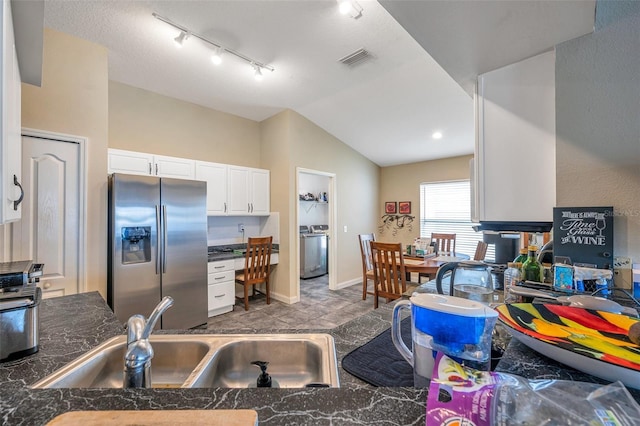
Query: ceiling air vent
(356, 57)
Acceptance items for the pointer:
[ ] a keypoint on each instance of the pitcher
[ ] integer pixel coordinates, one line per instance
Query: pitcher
(458, 327)
(468, 280)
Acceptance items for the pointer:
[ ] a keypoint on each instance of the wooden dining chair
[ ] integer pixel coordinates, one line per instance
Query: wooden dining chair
(257, 267)
(481, 251)
(389, 277)
(443, 243)
(367, 262)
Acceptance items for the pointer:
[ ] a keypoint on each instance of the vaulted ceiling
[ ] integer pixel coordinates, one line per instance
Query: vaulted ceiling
(417, 80)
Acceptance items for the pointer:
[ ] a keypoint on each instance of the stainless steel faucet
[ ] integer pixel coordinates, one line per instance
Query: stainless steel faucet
(137, 360)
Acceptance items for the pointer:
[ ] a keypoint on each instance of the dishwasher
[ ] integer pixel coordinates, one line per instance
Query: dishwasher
(313, 253)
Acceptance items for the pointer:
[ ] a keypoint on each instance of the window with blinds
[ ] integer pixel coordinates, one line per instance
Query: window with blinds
(445, 207)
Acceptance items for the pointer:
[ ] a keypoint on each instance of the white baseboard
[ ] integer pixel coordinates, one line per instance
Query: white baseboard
(285, 299)
(349, 283)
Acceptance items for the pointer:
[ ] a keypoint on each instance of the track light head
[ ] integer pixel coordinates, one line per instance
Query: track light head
(216, 58)
(258, 72)
(350, 7)
(182, 37)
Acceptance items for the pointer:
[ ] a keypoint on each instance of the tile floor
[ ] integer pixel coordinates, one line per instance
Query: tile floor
(319, 308)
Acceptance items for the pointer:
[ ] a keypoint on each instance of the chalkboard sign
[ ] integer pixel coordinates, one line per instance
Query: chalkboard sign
(585, 234)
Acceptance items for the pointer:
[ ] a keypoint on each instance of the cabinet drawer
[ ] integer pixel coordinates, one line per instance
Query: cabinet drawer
(220, 277)
(219, 266)
(221, 295)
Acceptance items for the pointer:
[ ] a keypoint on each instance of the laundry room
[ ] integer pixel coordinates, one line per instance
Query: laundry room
(313, 220)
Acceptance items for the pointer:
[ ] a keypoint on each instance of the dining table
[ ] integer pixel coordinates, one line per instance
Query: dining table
(430, 265)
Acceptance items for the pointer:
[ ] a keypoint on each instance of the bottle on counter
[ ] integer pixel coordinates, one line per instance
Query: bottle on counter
(522, 256)
(531, 268)
(512, 277)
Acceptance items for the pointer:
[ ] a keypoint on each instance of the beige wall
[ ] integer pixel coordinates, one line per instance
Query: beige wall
(144, 121)
(402, 183)
(597, 121)
(291, 141)
(276, 150)
(73, 100)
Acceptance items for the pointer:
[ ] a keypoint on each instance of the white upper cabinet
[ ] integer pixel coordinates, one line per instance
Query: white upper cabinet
(173, 167)
(231, 190)
(130, 162)
(248, 191)
(11, 191)
(215, 175)
(515, 166)
(259, 192)
(140, 163)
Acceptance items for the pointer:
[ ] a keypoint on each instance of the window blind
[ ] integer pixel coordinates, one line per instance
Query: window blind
(445, 207)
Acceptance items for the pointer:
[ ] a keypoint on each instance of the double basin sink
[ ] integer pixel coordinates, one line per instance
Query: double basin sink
(207, 361)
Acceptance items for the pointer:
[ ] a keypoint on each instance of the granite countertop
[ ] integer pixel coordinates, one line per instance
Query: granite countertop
(72, 325)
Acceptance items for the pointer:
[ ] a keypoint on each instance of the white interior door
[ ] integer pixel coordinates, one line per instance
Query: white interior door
(50, 229)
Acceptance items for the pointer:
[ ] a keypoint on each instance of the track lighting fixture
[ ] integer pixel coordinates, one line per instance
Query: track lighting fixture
(181, 38)
(219, 50)
(350, 7)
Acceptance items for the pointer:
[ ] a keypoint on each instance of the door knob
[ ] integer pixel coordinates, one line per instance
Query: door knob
(46, 285)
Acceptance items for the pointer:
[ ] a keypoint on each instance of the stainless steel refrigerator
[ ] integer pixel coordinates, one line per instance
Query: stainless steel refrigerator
(157, 247)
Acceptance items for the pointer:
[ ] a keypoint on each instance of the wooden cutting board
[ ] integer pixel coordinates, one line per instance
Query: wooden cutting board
(157, 418)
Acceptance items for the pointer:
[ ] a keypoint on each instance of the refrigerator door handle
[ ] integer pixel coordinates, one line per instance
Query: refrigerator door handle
(164, 239)
(158, 240)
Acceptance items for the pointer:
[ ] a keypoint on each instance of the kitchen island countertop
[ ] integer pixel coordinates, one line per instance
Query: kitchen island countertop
(72, 325)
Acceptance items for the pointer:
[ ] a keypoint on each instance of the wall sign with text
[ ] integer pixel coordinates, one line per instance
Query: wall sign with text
(585, 234)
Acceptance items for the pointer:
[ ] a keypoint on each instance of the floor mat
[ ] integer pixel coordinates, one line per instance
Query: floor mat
(379, 363)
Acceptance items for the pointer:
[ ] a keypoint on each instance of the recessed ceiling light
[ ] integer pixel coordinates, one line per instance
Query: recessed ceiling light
(436, 135)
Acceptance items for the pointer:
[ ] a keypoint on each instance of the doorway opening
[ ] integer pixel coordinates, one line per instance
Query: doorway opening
(316, 217)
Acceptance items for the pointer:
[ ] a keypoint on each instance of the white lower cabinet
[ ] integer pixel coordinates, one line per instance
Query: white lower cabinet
(221, 286)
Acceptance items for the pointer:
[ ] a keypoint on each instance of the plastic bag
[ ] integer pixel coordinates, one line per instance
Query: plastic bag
(461, 395)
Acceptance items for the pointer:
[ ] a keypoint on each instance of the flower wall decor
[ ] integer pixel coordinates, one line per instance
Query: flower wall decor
(404, 207)
(396, 222)
(390, 207)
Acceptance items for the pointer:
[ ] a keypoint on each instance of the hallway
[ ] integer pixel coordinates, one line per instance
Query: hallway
(319, 308)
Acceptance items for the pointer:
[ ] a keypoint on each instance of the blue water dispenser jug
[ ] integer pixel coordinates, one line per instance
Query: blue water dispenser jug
(460, 328)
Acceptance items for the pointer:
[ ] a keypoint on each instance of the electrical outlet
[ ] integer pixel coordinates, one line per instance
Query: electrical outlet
(241, 227)
(345, 228)
(622, 274)
(620, 262)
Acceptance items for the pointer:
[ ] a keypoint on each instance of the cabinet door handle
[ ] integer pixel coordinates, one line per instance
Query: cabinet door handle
(156, 169)
(150, 171)
(220, 295)
(19, 200)
(219, 278)
(225, 207)
(251, 207)
(218, 267)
